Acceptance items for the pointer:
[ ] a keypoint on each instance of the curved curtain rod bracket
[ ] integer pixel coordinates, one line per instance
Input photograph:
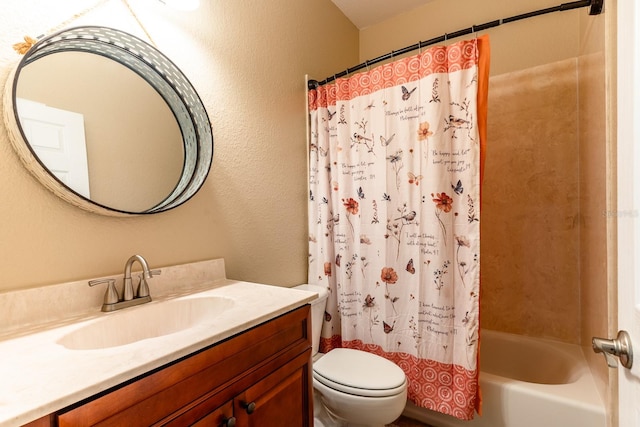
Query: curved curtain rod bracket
(596, 7)
(313, 84)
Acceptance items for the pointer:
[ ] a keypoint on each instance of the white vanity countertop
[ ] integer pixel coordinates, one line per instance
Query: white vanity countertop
(38, 376)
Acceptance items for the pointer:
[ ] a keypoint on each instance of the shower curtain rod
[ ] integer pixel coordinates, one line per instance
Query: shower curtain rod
(596, 9)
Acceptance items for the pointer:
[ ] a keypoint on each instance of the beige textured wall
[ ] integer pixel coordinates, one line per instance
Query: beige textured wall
(514, 46)
(248, 61)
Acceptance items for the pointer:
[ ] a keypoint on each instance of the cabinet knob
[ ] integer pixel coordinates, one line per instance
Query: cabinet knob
(249, 407)
(230, 422)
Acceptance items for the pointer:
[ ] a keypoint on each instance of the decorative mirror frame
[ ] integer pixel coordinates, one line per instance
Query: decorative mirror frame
(159, 72)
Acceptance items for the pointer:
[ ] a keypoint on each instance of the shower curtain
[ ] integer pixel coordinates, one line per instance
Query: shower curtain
(394, 216)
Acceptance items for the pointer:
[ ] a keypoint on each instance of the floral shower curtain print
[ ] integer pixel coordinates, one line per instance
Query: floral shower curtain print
(394, 216)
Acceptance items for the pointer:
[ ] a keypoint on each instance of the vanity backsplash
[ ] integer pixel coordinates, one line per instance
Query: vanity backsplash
(29, 310)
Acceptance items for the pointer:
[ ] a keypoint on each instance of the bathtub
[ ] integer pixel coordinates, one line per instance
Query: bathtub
(528, 382)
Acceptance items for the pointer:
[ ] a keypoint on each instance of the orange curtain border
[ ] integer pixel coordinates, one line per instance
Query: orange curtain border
(484, 62)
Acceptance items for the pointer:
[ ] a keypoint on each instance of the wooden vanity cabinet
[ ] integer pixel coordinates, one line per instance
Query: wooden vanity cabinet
(274, 401)
(260, 377)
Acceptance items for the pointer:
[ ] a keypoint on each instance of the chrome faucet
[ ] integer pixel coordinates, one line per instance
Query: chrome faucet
(113, 302)
(127, 293)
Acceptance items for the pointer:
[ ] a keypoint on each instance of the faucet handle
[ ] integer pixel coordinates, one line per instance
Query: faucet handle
(111, 295)
(143, 287)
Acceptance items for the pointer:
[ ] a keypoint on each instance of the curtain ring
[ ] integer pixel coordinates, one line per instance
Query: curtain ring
(446, 36)
(419, 47)
(366, 63)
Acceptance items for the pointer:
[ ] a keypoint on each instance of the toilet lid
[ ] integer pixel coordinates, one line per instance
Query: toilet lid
(359, 373)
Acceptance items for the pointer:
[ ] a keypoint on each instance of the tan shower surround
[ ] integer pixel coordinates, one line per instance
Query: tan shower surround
(531, 204)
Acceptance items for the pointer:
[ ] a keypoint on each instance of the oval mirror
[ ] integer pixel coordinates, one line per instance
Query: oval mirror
(108, 123)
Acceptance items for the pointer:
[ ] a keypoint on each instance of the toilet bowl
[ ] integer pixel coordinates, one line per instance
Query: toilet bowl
(353, 387)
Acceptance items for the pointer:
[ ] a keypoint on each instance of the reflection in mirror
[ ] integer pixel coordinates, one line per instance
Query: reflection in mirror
(57, 137)
(134, 150)
(108, 123)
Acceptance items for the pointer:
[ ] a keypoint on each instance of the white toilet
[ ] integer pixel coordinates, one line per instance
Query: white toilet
(352, 387)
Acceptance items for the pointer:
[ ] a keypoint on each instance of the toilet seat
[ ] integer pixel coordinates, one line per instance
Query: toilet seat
(359, 373)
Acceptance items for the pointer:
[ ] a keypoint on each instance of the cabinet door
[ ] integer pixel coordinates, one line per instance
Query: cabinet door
(280, 399)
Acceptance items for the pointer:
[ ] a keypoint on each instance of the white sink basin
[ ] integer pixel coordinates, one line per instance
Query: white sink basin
(145, 321)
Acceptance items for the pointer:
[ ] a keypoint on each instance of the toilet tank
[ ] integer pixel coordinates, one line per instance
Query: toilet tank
(317, 312)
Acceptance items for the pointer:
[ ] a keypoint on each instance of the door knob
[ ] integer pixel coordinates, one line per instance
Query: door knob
(619, 347)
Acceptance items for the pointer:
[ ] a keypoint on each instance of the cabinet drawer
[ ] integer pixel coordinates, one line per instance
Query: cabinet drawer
(155, 396)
